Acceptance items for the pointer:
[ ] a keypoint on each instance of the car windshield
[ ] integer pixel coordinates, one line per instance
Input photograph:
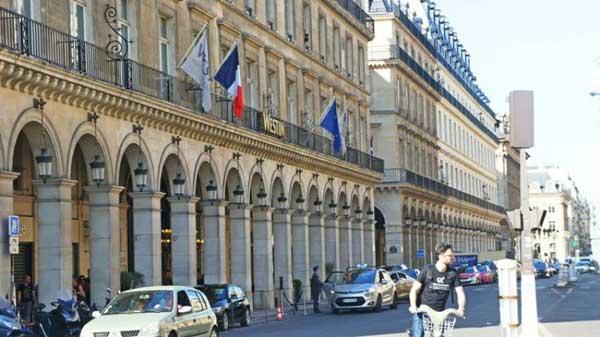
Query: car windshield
(469, 270)
(482, 269)
(583, 263)
(141, 302)
(359, 276)
(215, 294)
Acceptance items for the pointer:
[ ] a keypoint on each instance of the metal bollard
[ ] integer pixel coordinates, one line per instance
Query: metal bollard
(572, 272)
(508, 297)
(563, 276)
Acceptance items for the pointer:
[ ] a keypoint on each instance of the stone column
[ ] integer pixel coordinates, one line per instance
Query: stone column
(183, 248)
(430, 243)
(423, 231)
(300, 263)
(357, 241)
(407, 244)
(262, 249)
(105, 242)
(55, 249)
(345, 243)
(215, 241)
(146, 230)
(6, 209)
(316, 239)
(332, 239)
(282, 229)
(369, 242)
(241, 255)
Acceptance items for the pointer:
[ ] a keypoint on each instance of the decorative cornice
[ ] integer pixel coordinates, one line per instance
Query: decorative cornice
(34, 77)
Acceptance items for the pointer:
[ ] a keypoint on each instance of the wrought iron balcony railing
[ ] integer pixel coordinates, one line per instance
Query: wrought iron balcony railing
(357, 12)
(403, 176)
(22, 35)
(396, 52)
(428, 44)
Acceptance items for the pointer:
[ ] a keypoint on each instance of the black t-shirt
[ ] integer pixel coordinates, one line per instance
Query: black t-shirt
(436, 286)
(26, 292)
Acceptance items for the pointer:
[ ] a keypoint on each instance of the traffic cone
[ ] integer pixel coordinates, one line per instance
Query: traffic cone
(279, 313)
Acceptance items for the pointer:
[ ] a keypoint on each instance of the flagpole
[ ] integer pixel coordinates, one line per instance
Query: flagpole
(326, 109)
(192, 45)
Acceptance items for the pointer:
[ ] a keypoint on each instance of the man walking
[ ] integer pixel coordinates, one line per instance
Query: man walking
(26, 299)
(315, 289)
(433, 286)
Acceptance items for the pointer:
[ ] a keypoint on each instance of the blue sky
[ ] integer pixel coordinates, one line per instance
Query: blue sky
(553, 48)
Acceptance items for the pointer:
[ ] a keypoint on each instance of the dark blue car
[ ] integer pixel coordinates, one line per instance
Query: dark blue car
(541, 269)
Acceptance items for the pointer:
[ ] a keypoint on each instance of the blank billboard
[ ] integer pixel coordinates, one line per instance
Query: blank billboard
(521, 118)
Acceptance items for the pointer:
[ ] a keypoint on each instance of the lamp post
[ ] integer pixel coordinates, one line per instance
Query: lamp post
(44, 160)
(97, 166)
(179, 180)
(140, 172)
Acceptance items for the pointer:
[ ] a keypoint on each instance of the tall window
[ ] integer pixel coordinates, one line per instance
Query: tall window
(24, 7)
(292, 102)
(349, 57)
(78, 23)
(361, 64)
(337, 53)
(361, 134)
(249, 7)
(273, 92)
(306, 25)
(323, 38)
(290, 20)
(271, 14)
(252, 84)
(164, 56)
(309, 109)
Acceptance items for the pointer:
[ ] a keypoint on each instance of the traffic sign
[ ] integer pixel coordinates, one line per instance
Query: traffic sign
(13, 250)
(421, 253)
(14, 226)
(13, 241)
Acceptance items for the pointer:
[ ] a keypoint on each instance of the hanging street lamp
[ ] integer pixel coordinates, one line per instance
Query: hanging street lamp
(238, 195)
(211, 190)
(262, 197)
(179, 180)
(300, 203)
(44, 160)
(332, 208)
(97, 166)
(281, 200)
(318, 206)
(140, 172)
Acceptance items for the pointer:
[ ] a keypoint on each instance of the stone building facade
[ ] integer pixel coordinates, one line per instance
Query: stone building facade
(432, 125)
(186, 195)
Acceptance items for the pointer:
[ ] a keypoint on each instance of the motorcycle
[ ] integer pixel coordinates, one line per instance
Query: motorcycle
(64, 320)
(10, 326)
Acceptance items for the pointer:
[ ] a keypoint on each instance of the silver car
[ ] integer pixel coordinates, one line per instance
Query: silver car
(362, 288)
(155, 312)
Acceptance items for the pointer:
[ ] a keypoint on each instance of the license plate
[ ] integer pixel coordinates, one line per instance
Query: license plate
(349, 300)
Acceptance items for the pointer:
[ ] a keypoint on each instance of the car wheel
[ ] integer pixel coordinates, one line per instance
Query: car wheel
(378, 305)
(224, 325)
(214, 333)
(395, 302)
(246, 320)
(172, 334)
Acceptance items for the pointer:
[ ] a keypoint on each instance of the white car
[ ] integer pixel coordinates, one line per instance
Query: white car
(170, 311)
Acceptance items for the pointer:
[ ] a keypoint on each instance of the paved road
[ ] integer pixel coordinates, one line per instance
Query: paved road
(554, 305)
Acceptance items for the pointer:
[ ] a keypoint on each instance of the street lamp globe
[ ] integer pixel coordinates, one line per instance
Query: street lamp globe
(281, 200)
(141, 176)
(98, 170)
(318, 206)
(262, 197)
(300, 203)
(211, 190)
(44, 165)
(179, 185)
(238, 195)
(332, 208)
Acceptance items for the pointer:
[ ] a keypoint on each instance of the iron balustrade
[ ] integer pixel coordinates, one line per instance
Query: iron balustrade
(396, 52)
(427, 43)
(404, 176)
(358, 13)
(22, 35)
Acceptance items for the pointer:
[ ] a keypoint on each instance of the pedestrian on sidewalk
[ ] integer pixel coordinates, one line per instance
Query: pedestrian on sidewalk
(26, 299)
(433, 286)
(315, 288)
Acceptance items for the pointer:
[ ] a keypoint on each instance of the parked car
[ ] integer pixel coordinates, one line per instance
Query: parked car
(485, 274)
(541, 269)
(361, 288)
(584, 267)
(229, 303)
(493, 269)
(469, 275)
(403, 283)
(155, 311)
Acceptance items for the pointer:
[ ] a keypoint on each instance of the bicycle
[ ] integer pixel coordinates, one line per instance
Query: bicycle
(438, 323)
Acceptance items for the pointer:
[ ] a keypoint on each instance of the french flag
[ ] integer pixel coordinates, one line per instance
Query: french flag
(228, 74)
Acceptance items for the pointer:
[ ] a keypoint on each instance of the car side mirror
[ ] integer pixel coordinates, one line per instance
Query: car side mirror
(96, 314)
(233, 297)
(184, 310)
(384, 282)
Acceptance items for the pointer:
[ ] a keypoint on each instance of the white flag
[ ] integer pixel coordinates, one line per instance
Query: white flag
(196, 65)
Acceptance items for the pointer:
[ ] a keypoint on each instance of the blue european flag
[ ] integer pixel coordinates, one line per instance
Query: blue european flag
(330, 122)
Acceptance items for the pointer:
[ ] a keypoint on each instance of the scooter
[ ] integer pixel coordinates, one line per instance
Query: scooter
(9, 322)
(62, 321)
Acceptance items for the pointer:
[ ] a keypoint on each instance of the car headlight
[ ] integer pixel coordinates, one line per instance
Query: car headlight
(8, 323)
(369, 292)
(152, 329)
(218, 309)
